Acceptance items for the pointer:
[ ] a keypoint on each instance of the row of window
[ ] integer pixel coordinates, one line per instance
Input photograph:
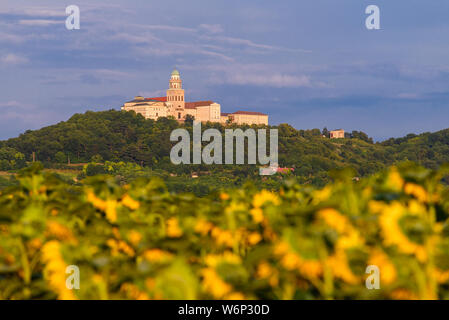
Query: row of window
(176, 98)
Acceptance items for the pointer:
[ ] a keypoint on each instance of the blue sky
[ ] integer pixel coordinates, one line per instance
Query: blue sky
(307, 63)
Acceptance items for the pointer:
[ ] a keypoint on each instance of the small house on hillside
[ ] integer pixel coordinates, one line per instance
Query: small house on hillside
(337, 134)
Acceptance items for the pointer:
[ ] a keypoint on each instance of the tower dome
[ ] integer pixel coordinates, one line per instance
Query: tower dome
(175, 94)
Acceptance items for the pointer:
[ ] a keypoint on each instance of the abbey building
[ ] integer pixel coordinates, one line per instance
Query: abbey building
(174, 104)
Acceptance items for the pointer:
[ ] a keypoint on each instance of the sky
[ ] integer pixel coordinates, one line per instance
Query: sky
(311, 64)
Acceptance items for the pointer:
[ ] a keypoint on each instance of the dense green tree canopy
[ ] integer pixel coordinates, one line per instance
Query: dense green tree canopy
(126, 136)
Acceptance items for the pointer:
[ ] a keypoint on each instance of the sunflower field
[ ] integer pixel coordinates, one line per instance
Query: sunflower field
(138, 241)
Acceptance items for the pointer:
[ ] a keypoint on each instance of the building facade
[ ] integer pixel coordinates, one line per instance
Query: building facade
(337, 134)
(174, 105)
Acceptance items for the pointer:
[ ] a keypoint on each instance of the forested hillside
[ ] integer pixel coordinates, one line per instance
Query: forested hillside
(125, 136)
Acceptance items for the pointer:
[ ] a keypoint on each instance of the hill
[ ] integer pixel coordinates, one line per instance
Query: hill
(125, 136)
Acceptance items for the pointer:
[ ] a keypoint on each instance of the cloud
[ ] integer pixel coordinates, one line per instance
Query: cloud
(273, 80)
(18, 116)
(240, 41)
(57, 11)
(64, 76)
(13, 59)
(17, 110)
(7, 37)
(215, 54)
(211, 28)
(156, 46)
(173, 49)
(11, 103)
(261, 75)
(251, 44)
(203, 40)
(168, 28)
(135, 39)
(34, 12)
(39, 22)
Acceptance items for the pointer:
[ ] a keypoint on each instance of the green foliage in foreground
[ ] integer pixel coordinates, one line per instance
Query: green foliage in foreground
(138, 241)
(7, 181)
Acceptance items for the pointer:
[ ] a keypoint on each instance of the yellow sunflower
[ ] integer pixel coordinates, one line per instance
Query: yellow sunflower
(393, 234)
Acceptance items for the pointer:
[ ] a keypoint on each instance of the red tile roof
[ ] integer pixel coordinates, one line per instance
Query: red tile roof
(250, 113)
(161, 99)
(193, 105)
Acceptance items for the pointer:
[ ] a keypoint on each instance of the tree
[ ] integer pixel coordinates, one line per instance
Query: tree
(189, 119)
(11, 159)
(361, 136)
(97, 158)
(60, 157)
(93, 169)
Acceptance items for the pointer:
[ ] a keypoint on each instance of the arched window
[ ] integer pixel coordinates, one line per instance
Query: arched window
(179, 115)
